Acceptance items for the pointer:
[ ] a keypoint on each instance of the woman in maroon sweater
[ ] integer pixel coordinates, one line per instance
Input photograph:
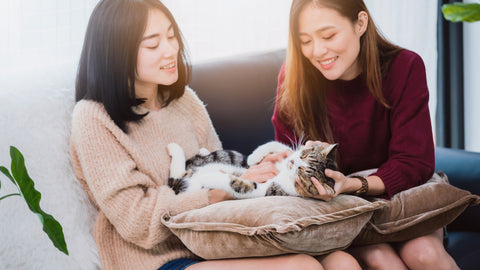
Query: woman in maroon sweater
(344, 83)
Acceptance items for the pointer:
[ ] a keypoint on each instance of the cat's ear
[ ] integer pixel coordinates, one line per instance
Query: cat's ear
(330, 151)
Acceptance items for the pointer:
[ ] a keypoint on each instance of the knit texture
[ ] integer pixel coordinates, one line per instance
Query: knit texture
(398, 141)
(125, 175)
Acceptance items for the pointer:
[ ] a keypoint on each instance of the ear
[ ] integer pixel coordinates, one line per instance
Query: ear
(330, 151)
(362, 22)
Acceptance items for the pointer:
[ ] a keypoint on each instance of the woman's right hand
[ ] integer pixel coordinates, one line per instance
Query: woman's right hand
(218, 195)
(266, 169)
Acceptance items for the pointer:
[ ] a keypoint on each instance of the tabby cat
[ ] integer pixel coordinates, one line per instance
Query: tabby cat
(222, 170)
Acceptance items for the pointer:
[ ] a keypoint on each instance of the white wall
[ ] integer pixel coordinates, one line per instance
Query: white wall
(221, 28)
(471, 39)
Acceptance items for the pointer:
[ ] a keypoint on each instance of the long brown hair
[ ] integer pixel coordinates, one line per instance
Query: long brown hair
(301, 101)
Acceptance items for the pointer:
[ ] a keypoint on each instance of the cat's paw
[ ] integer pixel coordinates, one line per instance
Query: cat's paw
(241, 186)
(174, 149)
(263, 150)
(203, 152)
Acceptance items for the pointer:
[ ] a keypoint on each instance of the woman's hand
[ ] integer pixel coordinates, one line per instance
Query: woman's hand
(312, 143)
(343, 184)
(218, 195)
(266, 169)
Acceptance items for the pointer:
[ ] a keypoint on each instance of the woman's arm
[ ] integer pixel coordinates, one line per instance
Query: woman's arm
(411, 160)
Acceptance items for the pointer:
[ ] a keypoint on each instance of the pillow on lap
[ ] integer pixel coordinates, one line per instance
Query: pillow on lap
(278, 225)
(272, 226)
(417, 211)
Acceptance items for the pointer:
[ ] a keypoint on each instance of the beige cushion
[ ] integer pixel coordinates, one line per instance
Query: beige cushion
(417, 211)
(272, 226)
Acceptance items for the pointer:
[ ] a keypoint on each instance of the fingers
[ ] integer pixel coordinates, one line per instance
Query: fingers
(323, 194)
(301, 186)
(336, 175)
(277, 157)
(260, 173)
(312, 143)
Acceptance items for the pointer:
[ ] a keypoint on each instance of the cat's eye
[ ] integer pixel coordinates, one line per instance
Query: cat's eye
(290, 164)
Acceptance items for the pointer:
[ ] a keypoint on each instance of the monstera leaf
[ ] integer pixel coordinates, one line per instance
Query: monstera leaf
(462, 12)
(26, 188)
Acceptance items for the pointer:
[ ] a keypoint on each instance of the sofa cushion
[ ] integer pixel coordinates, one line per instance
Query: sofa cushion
(272, 226)
(240, 96)
(463, 172)
(417, 211)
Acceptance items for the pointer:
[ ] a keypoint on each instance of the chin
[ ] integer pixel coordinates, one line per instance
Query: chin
(331, 77)
(168, 82)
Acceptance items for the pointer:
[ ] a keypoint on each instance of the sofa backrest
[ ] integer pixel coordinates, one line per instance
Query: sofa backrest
(240, 96)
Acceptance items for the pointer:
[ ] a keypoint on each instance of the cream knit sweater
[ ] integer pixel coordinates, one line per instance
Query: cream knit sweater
(126, 174)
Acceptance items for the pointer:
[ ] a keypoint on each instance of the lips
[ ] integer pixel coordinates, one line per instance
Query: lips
(328, 63)
(169, 66)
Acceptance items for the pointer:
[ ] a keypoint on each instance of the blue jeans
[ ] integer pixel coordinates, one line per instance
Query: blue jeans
(178, 264)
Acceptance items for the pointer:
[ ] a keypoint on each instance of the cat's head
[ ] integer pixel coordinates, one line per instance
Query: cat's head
(312, 161)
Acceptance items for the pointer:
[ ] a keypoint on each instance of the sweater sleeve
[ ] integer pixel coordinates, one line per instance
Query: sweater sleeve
(132, 202)
(411, 160)
(283, 132)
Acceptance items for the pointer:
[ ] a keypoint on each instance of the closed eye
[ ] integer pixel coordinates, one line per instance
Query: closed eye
(329, 37)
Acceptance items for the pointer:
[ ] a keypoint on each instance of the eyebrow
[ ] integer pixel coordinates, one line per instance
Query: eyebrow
(319, 30)
(156, 34)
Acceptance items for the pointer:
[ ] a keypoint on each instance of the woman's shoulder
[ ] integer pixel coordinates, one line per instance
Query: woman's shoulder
(89, 113)
(190, 100)
(85, 109)
(406, 58)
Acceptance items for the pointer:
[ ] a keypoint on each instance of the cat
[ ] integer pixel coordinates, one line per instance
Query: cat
(222, 169)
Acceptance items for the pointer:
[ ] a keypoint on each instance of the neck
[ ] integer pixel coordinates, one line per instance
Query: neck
(150, 95)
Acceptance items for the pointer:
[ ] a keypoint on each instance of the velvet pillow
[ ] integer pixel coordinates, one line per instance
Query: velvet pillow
(417, 211)
(272, 226)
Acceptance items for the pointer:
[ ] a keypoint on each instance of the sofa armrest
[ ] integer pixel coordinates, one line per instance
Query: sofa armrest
(463, 171)
(462, 167)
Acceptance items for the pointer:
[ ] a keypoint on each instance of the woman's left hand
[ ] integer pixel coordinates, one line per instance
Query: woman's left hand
(340, 186)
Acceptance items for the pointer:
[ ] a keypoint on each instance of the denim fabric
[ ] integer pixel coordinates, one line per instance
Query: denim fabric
(178, 264)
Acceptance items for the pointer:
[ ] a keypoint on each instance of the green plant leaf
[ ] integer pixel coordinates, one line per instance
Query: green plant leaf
(461, 12)
(7, 174)
(27, 189)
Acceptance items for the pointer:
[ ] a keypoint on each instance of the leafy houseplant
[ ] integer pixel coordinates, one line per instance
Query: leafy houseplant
(25, 185)
(462, 12)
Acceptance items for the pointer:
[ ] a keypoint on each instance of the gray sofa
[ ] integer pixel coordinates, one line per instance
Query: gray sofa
(240, 96)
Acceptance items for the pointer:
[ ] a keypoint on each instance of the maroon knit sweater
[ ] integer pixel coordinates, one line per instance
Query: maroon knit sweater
(398, 141)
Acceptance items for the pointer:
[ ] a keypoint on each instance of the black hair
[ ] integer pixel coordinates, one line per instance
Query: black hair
(108, 62)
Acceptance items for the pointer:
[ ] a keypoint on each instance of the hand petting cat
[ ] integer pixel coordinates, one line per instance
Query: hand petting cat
(340, 186)
(266, 169)
(344, 184)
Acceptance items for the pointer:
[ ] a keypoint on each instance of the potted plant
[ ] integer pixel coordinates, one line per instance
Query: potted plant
(461, 12)
(26, 189)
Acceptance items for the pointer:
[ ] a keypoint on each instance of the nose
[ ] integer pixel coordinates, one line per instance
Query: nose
(169, 48)
(319, 49)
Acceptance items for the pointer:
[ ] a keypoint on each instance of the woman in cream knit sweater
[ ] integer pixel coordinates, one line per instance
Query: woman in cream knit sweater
(132, 101)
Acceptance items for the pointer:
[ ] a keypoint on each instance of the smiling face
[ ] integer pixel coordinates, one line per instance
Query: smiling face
(158, 53)
(330, 41)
